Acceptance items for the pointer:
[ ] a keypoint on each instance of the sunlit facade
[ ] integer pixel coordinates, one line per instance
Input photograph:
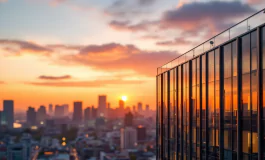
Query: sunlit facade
(212, 106)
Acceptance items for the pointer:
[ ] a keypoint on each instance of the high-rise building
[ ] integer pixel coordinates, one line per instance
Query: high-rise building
(87, 114)
(41, 114)
(94, 112)
(140, 107)
(50, 109)
(128, 138)
(215, 94)
(9, 112)
(147, 108)
(134, 109)
(121, 104)
(78, 112)
(58, 111)
(66, 109)
(128, 119)
(141, 133)
(102, 103)
(31, 116)
(3, 118)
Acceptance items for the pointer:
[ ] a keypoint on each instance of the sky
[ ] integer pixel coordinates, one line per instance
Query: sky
(61, 51)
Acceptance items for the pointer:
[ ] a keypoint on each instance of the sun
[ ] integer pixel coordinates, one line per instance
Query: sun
(124, 98)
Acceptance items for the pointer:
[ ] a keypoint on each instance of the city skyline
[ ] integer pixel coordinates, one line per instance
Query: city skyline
(59, 51)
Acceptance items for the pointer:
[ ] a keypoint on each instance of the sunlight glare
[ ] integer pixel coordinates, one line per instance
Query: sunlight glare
(124, 98)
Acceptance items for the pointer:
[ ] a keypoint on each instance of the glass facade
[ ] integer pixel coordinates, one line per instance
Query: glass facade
(213, 106)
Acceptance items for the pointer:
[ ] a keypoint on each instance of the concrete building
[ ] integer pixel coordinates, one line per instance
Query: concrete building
(128, 138)
(78, 112)
(9, 112)
(102, 105)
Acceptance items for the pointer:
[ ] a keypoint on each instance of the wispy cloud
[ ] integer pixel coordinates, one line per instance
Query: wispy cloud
(117, 57)
(127, 26)
(43, 77)
(176, 42)
(94, 83)
(18, 46)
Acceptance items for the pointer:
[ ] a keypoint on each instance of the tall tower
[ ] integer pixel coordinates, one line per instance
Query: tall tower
(140, 107)
(78, 112)
(102, 103)
(50, 109)
(31, 116)
(9, 112)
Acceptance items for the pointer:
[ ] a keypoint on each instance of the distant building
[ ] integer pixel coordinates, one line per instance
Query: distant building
(87, 114)
(128, 119)
(17, 152)
(102, 103)
(128, 138)
(3, 118)
(140, 107)
(78, 112)
(147, 108)
(9, 112)
(41, 114)
(50, 109)
(59, 111)
(3, 152)
(121, 104)
(134, 109)
(141, 133)
(31, 116)
(64, 128)
(66, 109)
(94, 112)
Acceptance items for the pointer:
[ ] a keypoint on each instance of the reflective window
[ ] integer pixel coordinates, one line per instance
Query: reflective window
(263, 75)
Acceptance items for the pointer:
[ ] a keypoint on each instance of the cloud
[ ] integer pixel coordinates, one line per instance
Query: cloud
(112, 57)
(127, 26)
(95, 83)
(117, 57)
(129, 8)
(2, 82)
(255, 2)
(194, 16)
(43, 77)
(176, 42)
(146, 2)
(151, 37)
(17, 47)
(56, 2)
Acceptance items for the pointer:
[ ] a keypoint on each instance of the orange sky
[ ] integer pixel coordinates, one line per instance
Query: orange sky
(57, 52)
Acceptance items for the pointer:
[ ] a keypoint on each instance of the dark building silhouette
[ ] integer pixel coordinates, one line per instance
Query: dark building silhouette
(141, 133)
(94, 112)
(78, 112)
(9, 112)
(59, 111)
(140, 107)
(128, 119)
(31, 116)
(87, 114)
(210, 101)
(102, 105)
(41, 114)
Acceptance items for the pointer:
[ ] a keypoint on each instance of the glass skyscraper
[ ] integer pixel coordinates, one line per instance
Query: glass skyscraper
(211, 100)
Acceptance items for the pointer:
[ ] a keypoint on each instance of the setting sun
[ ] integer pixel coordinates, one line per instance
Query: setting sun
(124, 98)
